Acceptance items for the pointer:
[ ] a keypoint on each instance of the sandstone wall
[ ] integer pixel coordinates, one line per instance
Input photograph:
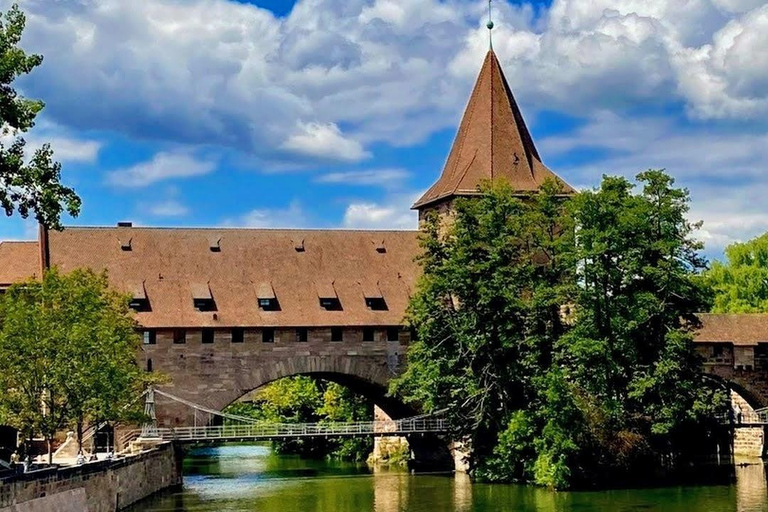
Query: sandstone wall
(97, 487)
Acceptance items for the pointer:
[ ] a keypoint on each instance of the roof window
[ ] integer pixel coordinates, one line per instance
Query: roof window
(374, 299)
(326, 292)
(139, 300)
(126, 244)
(299, 246)
(266, 296)
(214, 244)
(202, 298)
(381, 248)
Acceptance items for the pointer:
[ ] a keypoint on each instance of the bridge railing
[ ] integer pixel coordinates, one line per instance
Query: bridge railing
(293, 430)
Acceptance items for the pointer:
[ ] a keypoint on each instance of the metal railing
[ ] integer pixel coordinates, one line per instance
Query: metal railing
(272, 431)
(756, 417)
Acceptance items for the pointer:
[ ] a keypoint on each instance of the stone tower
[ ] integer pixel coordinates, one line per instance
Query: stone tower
(493, 143)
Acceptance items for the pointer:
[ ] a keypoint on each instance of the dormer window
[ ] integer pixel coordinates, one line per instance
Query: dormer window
(329, 300)
(381, 248)
(139, 301)
(214, 244)
(374, 299)
(202, 298)
(299, 245)
(266, 297)
(126, 244)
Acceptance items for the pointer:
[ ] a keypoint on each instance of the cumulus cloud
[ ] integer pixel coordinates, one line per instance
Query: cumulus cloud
(163, 166)
(386, 178)
(392, 213)
(324, 141)
(365, 71)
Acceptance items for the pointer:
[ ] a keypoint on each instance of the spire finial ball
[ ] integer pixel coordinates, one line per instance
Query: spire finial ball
(490, 25)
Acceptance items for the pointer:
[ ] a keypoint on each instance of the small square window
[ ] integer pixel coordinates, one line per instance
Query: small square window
(150, 338)
(330, 304)
(204, 305)
(376, 304)
(267, 335)
(269, 304)
(337, 334)
(179, 336)
(238, 335)
(207, 336)
(301, 334)
(393, 334)
(368, 333)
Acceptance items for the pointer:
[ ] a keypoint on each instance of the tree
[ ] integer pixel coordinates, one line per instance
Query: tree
(740, 285)
(557, 332)
(487, 310)
(27, 185)
(69, 345)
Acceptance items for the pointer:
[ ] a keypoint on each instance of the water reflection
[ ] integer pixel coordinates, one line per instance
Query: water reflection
(246, 478)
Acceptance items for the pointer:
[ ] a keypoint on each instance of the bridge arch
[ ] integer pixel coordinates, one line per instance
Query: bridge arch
(365, 375)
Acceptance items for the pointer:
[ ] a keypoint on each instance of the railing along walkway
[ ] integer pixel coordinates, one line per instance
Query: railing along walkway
(272, 431)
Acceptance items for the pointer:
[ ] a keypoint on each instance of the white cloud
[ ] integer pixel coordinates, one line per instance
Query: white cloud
(66, 147)
(324, 141)
(365, 71)
(386, 178)
(168, 208)
(163, 166)
(293, 216)
(393, 213)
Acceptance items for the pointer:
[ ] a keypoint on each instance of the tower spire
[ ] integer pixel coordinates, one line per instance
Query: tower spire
(490, 25)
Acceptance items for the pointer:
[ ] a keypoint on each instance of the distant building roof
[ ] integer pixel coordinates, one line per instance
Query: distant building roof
(739, 329)
(493, 143)
(176, 264)
(18, 261)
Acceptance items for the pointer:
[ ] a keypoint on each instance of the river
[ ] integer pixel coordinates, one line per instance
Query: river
(252, 478)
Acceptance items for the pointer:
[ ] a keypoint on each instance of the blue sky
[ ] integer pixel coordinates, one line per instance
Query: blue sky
(339, 114)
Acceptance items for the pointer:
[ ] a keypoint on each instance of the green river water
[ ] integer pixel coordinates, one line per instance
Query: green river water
(252, 478)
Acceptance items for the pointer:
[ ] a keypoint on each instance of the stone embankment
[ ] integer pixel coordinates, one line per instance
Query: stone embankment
(104, 486)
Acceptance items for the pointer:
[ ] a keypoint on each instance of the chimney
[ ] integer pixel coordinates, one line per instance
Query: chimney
(125, 224)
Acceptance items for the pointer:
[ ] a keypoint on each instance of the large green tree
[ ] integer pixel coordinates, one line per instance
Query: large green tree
(740, 284)
(68, 345)
(29, 183)
(557, 333)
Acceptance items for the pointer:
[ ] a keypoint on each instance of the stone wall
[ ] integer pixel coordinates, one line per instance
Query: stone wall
(216, 374)
(96, 487)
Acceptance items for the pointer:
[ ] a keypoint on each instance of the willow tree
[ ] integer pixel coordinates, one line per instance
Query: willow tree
(30, 184)
(68, 345)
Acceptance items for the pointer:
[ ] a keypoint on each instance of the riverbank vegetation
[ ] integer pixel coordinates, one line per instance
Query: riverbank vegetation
(305, 399)
(557, 332)
(68, 346)
(740, 283)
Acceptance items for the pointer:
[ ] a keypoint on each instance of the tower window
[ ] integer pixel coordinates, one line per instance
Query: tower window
(238, 335)
(150, 337)
(207, 336)
(267, 335)
(393, 334)
(179, 336)
(301, 334)
(368, 333)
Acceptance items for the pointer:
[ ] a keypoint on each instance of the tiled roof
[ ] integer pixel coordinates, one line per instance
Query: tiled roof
(176, 264)
(739, 329)
(18, 261)
(492, 143)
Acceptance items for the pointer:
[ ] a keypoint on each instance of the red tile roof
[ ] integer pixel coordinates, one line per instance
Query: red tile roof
(176, 264)
(492, 143)
(18, 261)
(739, 329)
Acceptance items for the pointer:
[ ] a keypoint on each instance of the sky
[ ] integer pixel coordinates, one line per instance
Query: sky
(329, 114)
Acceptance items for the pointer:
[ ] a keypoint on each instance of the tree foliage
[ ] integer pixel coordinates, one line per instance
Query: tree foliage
(304, 399)
(740, 284)
(28, 185)
(557, 333)
(69, 345)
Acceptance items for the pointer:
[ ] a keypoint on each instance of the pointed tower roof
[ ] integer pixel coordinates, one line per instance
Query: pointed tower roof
(493, 144)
